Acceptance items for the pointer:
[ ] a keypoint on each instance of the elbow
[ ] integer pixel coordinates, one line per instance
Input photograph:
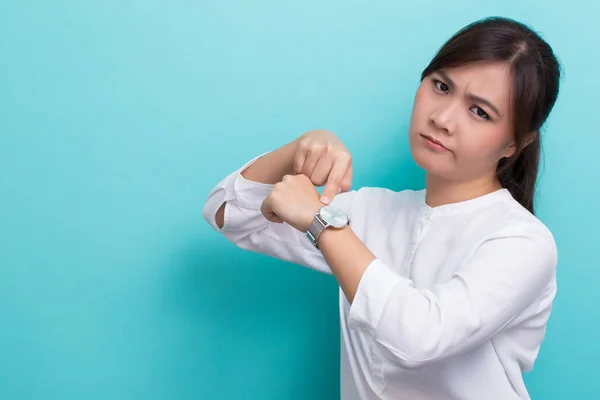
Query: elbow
(422, 347)
(218, 220)
(214, 210)
(409, 364)
(237, 224)
(416, 354)
(416, 359)
(209, 213)
(411, 350)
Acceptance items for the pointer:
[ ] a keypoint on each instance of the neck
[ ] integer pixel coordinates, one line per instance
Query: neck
(442, 191)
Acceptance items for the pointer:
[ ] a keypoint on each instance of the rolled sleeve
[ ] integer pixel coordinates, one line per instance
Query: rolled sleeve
(249, 194)
(505, 277)
(235, 189)
(373, 293)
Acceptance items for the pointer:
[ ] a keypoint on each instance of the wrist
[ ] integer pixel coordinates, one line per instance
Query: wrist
(313, 209)
(329, 235)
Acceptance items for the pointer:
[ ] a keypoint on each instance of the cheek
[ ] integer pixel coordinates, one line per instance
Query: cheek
(484, 144)
(418, 114)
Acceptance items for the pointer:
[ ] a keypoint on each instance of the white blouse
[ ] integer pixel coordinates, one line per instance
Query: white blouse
(454, 307)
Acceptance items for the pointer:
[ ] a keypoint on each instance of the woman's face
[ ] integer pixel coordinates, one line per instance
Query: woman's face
(460, 125)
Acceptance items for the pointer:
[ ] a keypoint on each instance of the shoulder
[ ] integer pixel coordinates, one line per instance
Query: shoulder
(513, 220)
(517, 234)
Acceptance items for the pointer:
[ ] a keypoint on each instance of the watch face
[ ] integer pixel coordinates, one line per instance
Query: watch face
(334, 216)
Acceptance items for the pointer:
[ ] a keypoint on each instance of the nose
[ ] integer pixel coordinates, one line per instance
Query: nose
(444, 118)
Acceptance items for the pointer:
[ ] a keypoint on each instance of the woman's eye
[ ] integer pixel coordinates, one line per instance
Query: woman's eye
(441, 86)
(480, 113)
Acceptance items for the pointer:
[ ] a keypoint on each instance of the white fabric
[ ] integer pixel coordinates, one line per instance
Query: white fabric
(454, 307)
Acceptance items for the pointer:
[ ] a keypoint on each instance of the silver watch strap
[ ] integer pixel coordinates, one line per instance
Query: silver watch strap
(314, 230)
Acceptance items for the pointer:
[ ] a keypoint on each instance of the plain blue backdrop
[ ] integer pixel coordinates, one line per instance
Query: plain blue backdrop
(118, 117)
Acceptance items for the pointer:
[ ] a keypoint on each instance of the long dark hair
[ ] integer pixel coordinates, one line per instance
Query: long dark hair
(536, 75)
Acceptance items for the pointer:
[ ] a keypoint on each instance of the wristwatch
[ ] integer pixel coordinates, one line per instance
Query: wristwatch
(326, 217)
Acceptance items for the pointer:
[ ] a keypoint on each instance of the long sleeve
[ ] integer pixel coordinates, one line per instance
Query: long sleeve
(506, 277)
(247, 228)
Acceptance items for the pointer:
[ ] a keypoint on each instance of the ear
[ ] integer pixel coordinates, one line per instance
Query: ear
(510, 150)
(512, 147)
(529, 138)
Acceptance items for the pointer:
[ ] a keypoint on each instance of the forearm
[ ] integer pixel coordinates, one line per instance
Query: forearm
(272, 167)
(347, 256)
(268, 169)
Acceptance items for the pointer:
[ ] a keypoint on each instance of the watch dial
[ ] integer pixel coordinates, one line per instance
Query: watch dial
(334, 216)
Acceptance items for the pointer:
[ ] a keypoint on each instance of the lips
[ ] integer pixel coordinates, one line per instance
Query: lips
(434, 141)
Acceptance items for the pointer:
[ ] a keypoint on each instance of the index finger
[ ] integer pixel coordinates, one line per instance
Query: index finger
(347, 180)
(334, 181)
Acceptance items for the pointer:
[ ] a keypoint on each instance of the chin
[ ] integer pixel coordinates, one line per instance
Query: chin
(434, 164)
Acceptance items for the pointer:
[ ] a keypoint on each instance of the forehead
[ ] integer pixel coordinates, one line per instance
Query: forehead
(490, 80)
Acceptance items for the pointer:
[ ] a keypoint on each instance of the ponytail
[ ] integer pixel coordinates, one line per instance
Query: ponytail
(519, 173)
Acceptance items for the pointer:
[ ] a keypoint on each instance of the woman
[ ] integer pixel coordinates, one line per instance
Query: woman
(445, 293)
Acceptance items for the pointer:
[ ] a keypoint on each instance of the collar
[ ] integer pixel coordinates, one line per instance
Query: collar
(463, 206)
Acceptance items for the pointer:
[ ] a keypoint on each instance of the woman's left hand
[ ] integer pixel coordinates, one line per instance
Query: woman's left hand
(294, 200)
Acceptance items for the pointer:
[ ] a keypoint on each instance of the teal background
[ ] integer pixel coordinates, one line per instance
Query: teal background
(118, 117)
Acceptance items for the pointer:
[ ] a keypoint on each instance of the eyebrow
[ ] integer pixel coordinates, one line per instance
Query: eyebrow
(471, 96)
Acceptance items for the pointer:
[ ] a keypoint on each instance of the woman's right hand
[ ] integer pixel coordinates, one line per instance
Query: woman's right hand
(323, 158)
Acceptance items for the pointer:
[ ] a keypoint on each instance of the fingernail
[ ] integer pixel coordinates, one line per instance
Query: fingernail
(325, 199)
